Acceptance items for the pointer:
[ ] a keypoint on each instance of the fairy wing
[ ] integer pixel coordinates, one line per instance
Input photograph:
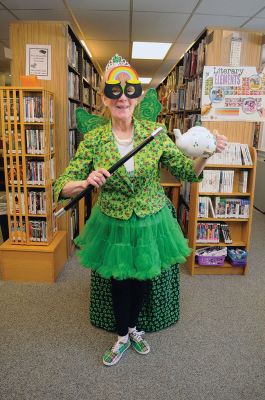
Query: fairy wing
(149, 107)
(86, 121)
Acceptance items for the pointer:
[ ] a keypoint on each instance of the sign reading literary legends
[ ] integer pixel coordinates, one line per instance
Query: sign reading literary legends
(38, 60)
(233, 94)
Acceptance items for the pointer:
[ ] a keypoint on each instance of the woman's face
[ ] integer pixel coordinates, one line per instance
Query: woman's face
(121, 108)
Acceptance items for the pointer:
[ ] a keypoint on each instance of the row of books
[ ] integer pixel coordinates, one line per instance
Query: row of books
(12, 104)
(71, 114)
(87, 70)
(86, 95)
(193, 94)
(72, 52)
(213, 233)
(36, 202)
(39, 171)
(223, 207)
(217, 181)
(73, 85)
(234, 154)
(72, 143)
(33, 109)
(35, 141)
(194, 60)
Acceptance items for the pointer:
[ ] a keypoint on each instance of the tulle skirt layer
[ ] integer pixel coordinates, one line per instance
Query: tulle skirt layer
(138, 248)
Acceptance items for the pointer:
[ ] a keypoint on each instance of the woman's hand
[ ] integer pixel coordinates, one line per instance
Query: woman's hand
(221, 141)
(97, 178)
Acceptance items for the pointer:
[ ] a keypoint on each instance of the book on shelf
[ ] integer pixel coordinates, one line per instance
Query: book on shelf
(72, 114)
(12, 105)
(225, 231)
(243, 181)
(217, 181)
(17, 173)
(16, 202)
(205, 208)
(18, 230)
(15, 142)
(72, 52)
(231, 208)
(208, 232)
(72, 143)
(73, 85)
(33, 108)
(37, 202)
(38, 231)
(233, 154)
(35, 141)
(36, 171)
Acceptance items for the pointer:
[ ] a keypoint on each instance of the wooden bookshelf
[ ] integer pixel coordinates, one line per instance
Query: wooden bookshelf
(180, 95)
(240, 228)
(29, 175)
(35, 250)
(72, 74)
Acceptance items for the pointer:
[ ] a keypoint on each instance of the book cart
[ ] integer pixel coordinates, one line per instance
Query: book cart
(74, 81)
(28, 134)
(180, 94)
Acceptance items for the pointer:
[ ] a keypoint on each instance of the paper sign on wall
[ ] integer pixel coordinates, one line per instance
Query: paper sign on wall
(233, 94)
(38, 60)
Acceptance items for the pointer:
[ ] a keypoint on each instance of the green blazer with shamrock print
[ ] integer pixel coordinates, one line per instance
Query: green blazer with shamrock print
(120, 196)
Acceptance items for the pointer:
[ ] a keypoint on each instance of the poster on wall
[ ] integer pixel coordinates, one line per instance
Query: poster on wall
(38, 60)
(233, 94)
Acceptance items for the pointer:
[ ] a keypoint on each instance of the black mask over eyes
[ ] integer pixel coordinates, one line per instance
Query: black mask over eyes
(114, 90)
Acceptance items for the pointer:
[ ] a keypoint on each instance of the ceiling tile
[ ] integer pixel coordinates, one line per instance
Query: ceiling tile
(122, 5)
(176, 51)
(228, 7)
(198, 22)
(165, 5)
(261, 14)
(59, 15)
(33, 4)
(101, 24)
(5, 19)
(167, 26)
(106, 49)
(145, 68)
(257, 24)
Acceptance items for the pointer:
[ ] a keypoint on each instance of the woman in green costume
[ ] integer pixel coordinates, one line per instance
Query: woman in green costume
(131, 237)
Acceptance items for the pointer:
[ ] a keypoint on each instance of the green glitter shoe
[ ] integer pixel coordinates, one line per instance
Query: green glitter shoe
(138, 343)
(114, 354)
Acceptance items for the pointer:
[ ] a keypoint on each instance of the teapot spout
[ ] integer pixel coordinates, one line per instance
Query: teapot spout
(177, 134)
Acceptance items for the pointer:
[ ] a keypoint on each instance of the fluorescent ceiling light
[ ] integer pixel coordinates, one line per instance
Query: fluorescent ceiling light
(150, 50)
(87, 49)
(145, 80)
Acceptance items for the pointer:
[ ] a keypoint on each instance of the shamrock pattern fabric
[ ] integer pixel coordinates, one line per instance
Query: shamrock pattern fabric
(161, 306)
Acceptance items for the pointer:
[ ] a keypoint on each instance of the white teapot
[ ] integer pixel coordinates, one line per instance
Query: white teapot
(196, 142)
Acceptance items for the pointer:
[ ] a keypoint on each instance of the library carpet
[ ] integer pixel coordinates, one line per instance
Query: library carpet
(50, 351)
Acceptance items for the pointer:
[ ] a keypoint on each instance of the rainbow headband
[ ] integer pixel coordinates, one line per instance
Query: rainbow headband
(117, 71)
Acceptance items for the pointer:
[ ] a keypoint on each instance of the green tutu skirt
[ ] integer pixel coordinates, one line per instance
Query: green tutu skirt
(138, 248)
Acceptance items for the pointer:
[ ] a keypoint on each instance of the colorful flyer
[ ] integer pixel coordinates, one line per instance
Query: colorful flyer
(233, 94)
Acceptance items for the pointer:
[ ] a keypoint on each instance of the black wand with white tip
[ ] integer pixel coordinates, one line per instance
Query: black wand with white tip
(111, 170)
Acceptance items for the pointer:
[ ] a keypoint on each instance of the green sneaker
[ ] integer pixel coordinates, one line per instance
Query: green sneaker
(113, 355)
(138, 343)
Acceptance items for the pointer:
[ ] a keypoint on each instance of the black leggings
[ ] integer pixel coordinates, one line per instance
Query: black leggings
(127, 298)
